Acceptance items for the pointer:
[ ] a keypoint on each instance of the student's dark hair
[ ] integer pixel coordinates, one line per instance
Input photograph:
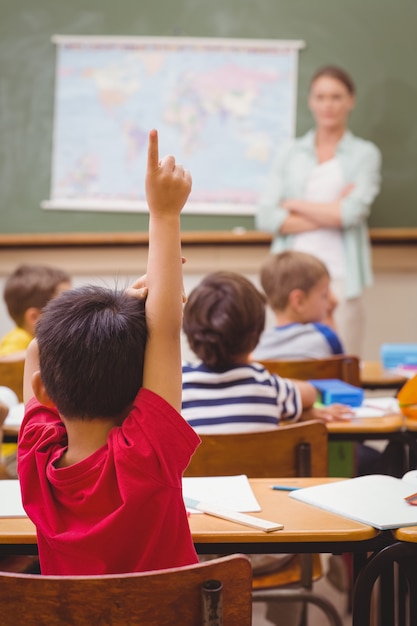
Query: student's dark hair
(335, 72)
(91, 350)
(31, 286)
(289, 270)
(223, 319)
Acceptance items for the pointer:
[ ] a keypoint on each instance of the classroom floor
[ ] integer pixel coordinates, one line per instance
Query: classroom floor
(315, 616)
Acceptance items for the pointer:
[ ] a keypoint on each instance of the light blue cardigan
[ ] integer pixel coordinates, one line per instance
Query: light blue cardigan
(361, 165)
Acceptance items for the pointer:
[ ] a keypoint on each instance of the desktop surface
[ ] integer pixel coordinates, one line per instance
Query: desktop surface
(302, 523)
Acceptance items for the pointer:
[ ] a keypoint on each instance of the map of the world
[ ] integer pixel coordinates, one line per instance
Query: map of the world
(222, 107)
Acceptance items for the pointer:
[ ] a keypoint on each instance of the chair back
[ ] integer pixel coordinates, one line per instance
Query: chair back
(341, 366)
(158, 598)
(291, 450)
(11, 374)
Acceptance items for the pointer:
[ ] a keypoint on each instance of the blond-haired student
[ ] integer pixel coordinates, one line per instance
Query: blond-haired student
(297, 287)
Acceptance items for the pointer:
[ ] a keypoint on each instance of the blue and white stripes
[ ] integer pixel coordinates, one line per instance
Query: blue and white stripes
(245, 398)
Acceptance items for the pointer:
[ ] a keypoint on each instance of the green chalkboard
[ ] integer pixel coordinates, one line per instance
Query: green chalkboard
(373, 39)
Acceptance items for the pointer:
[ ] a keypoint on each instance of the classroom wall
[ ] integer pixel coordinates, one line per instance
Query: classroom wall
(391, 303)
(374, 39)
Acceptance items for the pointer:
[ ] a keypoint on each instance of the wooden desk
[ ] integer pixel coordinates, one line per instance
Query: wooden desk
(306, 529)
(304, 526)
(374, 376)
(309, 529)
(17, 535)
(409, 534)
(366, 428)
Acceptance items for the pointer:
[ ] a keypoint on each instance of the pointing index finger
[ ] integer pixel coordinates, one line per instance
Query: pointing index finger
(153, 151)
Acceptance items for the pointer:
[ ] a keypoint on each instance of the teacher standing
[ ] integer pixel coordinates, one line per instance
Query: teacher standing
(318, 198)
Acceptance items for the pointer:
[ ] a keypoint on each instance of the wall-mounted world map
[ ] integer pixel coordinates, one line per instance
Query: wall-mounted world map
(222, 107)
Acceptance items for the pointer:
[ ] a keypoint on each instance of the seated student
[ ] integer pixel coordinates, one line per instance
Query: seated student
(296, 285)
(103, 447)
(223, 320)
(26, 292)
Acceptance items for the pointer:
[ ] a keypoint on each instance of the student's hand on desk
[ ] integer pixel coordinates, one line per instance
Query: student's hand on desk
(331, 413)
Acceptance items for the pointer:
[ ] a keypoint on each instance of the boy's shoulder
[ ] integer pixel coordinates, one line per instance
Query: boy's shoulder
(298, 341)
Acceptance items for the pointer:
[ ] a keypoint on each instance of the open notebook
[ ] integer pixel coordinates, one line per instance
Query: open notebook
(375, 500)
(232, 492)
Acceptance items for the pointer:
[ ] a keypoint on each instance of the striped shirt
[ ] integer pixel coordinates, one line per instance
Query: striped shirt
(245, 398)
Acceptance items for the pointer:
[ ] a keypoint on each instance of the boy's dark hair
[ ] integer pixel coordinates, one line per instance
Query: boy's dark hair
(223, 319)
(31, 286)
(289, 270)
(91, 350)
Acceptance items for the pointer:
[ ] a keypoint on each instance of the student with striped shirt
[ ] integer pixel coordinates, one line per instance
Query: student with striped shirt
(226, 392)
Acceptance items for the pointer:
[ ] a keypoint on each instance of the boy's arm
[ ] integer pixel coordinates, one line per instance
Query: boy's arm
(332, 413)
(31, 366)
(167, 189)
(308, 393)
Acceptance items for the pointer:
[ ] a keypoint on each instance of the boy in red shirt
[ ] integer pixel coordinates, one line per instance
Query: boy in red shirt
(102, 447)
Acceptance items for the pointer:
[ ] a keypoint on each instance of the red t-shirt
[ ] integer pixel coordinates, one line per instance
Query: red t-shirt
(119, 510)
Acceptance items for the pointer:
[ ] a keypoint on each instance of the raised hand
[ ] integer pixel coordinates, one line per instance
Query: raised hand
(167, 184)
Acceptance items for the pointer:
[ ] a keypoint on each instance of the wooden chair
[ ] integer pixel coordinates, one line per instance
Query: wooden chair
(341, 366)
(288, 451)
(158, 598)
(11, 373)
(298, 449)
